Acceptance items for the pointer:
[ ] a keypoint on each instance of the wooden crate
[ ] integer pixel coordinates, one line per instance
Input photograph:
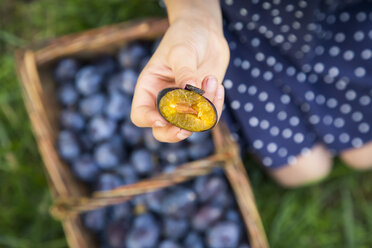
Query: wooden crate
(34, 66)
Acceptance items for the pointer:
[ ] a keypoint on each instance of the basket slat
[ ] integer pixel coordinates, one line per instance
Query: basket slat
(60, 179)
(32, 91)
(76, 234)
(70, 206)
(96, 41)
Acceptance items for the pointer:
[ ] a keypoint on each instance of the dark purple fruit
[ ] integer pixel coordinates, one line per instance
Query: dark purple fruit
(85, 168)
(67, 94)
(173, 155)
(128, 81)
(194, 240)
(208, 187)
(127, 173)
(124, 82)
(154, 200)
(199, 137)
(180, 203)
(200, 150)
(105, 65)
(86, 142)
(205, 217)
(108, 154)
(116, 233)
(144, 232)
(68, 146)
(101, 128)
(232, 215)
(66, 70)
(88, 80)
(139, 203)
(72, 120)
(224, 199)
(95, 220)
(175, 228)
(169, 244)
(142, 162)
(187, 108)
(108, 181)
(121, 211)
(223, 234)
(131, 133)
(92, 105)
(131, 55)
(118, 106)
(169, 168)
(150, 142)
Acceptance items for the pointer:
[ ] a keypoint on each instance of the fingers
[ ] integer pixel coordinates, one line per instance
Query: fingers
(146, 116)
(219, 99)
(184, 62)
(209, 85)
(170, 134)
(215, 92)
(144, 112)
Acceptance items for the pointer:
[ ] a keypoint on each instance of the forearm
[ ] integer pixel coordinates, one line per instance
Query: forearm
(207, 12)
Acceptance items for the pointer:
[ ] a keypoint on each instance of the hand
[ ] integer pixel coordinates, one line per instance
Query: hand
(190, 50)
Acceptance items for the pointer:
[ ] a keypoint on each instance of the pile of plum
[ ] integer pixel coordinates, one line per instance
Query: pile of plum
(105, 150)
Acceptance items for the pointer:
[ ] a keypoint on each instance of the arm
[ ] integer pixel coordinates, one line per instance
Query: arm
(192, 51)
(207, 11)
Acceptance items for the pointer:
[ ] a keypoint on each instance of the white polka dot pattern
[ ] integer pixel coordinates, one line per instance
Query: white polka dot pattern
(298, 75)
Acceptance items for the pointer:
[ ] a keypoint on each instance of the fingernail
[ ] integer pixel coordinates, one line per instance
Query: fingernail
(159, 124)
(219, 93)
(211, 84)
(183, 134)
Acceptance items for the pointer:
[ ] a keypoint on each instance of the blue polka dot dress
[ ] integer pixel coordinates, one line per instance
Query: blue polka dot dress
(300, 74)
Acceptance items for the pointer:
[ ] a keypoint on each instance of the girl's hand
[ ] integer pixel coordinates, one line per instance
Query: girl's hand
(192, 51)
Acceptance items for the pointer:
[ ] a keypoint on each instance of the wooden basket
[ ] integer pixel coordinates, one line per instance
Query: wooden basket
(71, 198)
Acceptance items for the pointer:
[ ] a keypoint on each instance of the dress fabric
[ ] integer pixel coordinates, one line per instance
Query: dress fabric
(300, 74)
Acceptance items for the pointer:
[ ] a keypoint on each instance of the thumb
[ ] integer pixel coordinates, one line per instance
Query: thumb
(183, 61)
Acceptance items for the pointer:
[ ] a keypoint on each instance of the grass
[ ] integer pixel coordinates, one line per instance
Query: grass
(333, 213)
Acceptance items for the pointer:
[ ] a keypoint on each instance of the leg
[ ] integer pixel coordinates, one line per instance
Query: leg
(308, 168)
(358, 158)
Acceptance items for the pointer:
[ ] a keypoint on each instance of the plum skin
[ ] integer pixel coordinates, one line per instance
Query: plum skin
(163, 92)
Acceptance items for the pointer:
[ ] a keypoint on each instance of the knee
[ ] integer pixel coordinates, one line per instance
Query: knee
(358, 158)
(307, 169)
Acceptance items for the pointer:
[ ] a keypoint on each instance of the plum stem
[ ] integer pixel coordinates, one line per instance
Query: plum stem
(185, 108)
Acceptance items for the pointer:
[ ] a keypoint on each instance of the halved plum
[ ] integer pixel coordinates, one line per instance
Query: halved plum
(187, 108)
